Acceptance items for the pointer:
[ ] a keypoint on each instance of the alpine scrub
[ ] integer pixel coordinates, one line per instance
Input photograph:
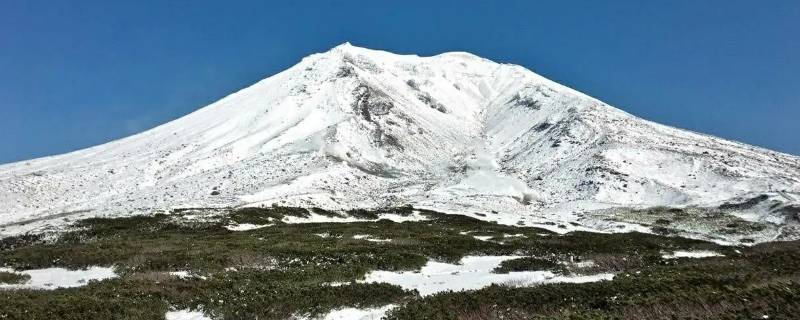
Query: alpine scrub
(190, 260)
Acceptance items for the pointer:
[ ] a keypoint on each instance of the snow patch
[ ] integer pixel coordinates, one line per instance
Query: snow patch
(53, 278)
(473, 272)
(358, 314)
(691, 254)
(246, 226)
(186, 314)
(318, 218)
(186, 275)
(369, 238)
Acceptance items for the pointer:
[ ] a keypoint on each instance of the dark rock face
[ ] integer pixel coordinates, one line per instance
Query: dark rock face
(346, 71)
(792, 212)
(744, 205)
(542, 126)
(371, 102)
(526, 102)
(427, 99)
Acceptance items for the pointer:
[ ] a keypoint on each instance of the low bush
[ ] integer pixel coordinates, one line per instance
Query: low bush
(530, 264)
(13, 278)
(284, 270)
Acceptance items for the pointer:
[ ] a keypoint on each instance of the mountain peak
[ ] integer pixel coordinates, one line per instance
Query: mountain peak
(347, 47)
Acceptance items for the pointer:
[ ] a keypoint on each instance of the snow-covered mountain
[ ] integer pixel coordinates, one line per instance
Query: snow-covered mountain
(354, 127)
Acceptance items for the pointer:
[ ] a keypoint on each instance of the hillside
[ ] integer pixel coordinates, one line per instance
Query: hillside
(359, 128)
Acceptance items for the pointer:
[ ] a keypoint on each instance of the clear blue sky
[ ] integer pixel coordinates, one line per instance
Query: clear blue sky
(79, 73)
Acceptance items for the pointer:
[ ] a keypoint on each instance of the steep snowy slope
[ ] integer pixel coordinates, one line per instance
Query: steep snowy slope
(355, 127)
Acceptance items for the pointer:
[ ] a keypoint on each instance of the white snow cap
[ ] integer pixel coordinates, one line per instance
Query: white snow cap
(356, 128)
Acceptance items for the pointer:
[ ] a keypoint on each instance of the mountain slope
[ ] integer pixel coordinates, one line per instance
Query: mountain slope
(355, 127)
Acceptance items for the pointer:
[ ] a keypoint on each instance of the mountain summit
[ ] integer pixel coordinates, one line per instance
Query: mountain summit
(360, 128)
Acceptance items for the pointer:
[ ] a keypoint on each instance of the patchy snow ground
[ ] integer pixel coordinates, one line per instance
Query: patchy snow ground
(473, 272)
(53, 278)
(185, 315)
(691, 254)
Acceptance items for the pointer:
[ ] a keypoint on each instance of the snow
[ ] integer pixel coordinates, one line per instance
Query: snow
(486, 182)
(186, 275)
(452, 132)
(369, 238)
(358, 314)
(185, 315)
(53, 278)
(180, 274)
(246, 226)
(691, 254)
(473, 272)
(318, 218)
(323, 235)
(335, 284)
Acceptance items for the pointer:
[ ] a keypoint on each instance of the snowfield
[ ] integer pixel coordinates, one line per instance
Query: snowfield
(356, 314)
(691, 254)
(185, 315)
(360, 128)
(54, 278)
(472, 273)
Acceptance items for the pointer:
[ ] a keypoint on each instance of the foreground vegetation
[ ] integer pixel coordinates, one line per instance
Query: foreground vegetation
(280, 270)
(12, 278)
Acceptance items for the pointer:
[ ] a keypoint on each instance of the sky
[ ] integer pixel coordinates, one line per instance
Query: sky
(74, 74)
